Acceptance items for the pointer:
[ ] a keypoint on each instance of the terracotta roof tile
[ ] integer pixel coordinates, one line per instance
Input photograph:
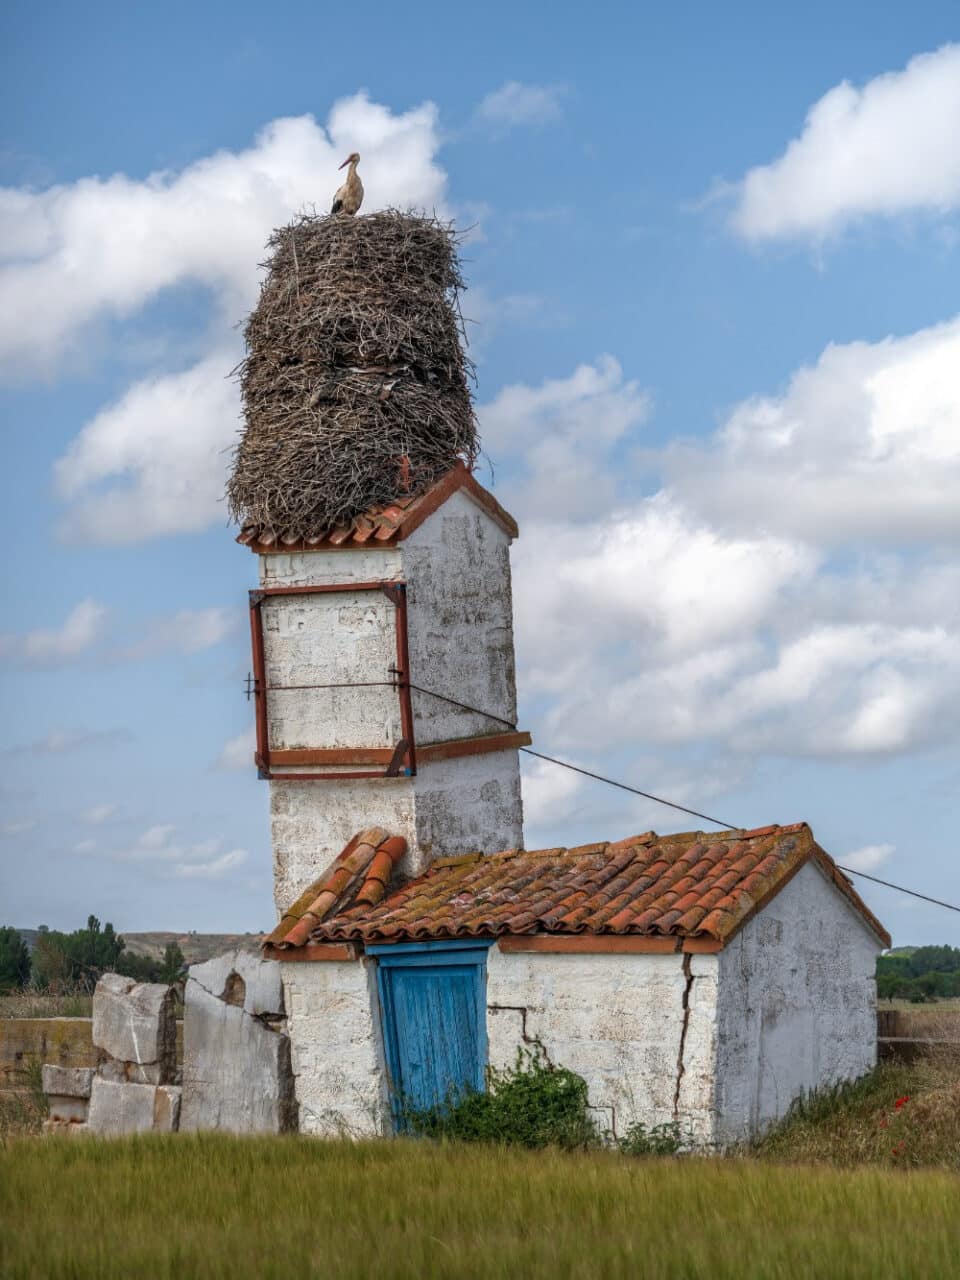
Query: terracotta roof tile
(359, 874)
(385, 523)
(689, 886)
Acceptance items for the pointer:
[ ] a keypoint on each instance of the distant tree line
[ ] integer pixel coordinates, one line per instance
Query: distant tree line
(923, 973)
(71, 960)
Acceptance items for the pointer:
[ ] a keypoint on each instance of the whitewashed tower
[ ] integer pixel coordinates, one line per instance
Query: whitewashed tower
(382, 629)
(417, 594)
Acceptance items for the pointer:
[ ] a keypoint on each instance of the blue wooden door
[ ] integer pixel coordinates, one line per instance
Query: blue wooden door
(433, 1005)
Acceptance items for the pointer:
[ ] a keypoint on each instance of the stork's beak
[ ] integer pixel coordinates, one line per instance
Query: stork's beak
(345, 163)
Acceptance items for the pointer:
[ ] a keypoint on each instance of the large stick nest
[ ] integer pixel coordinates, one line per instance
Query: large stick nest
(355, 380)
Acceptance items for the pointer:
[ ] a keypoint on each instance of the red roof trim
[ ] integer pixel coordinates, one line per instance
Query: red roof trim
(385, 526)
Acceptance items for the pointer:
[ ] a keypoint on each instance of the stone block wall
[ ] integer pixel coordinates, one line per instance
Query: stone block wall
(68, 1095)
(135, 1024)
(134, 1088)
(236, 1056)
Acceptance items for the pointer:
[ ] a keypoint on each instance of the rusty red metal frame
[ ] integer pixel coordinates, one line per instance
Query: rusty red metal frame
(403, 756)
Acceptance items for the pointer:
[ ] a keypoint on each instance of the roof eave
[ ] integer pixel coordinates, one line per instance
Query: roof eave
(419, 510)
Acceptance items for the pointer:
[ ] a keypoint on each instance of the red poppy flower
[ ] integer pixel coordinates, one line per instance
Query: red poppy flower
(901, 1101)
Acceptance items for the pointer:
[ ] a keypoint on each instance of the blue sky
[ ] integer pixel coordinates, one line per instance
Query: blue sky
(713, 275)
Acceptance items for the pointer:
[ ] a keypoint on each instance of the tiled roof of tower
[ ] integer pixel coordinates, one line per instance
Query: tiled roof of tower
(385, 524)
(694, 885)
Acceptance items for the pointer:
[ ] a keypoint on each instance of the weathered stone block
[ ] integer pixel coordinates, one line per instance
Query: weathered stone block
(236, 1054)
(69, 1110)
(69, 1128)
(133, 1072)
(243, 979)
(121, 1108)
(67, 1082)
(166, 1109)
(136, 1022)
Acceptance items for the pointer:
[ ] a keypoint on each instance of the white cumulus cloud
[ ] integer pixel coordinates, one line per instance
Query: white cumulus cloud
(726, 608)
(106, 246)
(98, 814)
(560, 435)
(515, 103)
(869, 858)
(862, 445)
(185, 632)
(200, 860)
(238, 752)
(80, 631)
(887, 148)
(213, 868)
(154, 462)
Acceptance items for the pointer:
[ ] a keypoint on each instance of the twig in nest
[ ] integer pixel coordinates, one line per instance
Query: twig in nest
(364, 369)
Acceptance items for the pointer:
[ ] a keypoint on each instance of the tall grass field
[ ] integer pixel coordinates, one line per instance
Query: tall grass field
(242, 1208)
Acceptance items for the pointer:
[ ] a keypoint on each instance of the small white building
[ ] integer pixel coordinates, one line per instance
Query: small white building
(708, 978)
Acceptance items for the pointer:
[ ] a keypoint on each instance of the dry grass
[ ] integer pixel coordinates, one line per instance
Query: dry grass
(231, 1209)
(899, 1116)
(23, 1109)
(939, 1020)
(355, 383)
(226, 1208)
(35, 1004)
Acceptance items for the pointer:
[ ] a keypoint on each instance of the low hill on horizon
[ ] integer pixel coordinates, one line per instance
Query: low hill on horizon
(196, 947)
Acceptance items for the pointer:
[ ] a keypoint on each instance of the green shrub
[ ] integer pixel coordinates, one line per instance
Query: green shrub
(658, 1140)
(14, 960)
(532, 1104)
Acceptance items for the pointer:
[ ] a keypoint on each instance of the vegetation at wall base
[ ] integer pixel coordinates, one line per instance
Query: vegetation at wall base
(898, 1117)
(23, 1110)
(670, 1139)
(532, 1104)
(225, 1208)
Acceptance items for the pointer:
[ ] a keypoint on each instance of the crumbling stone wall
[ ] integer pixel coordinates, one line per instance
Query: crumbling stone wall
(236, 1056)
(236, 1051)
(134, 1088)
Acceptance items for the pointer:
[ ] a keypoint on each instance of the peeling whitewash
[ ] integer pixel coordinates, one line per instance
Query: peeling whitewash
(459, 607)
(723, 1044)
(720, 1043)
(797, 1007)
(451, 807)
(336, 1048)
(331, 639)
(620, 1022)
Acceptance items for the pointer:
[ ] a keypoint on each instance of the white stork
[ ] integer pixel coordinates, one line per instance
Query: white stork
(350, 196)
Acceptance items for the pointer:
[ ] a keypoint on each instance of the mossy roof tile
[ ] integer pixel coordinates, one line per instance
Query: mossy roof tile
(687, 886)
